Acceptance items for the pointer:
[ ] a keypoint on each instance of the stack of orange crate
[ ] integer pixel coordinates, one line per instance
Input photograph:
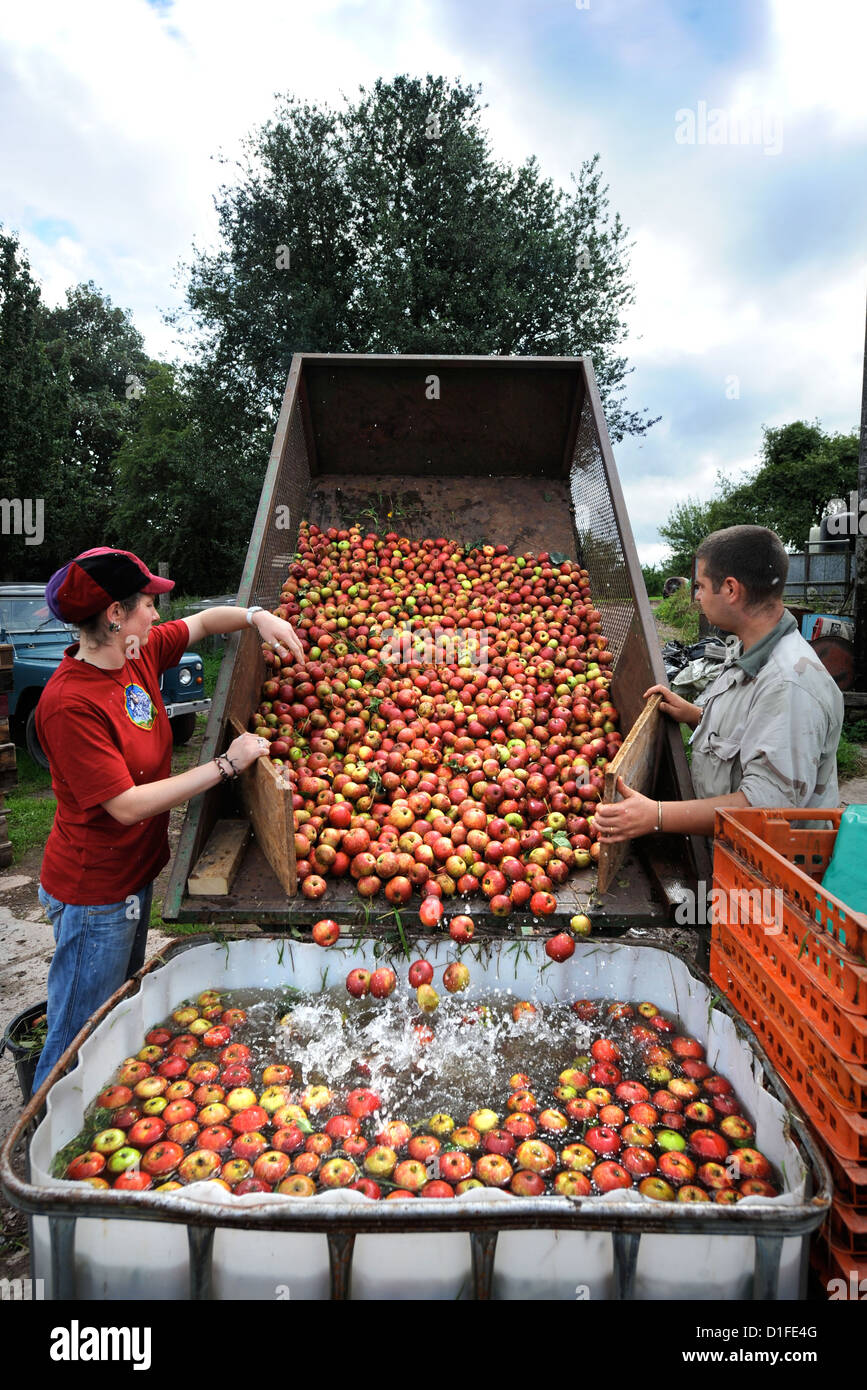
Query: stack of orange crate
(792, 959)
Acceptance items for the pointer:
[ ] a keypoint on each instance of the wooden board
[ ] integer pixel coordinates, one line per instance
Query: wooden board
(636, 763)
(267, 800)
(220, 860)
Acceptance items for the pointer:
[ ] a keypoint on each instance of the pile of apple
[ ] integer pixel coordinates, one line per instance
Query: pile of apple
(642, 1108)
(474, 775)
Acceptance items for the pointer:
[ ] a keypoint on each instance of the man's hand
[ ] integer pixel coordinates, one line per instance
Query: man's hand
(624, 820)
(278, 634)
(675, 705)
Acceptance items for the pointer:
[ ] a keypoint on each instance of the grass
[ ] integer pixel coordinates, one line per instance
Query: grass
(850, 760)
(30, 807)
(679, 611)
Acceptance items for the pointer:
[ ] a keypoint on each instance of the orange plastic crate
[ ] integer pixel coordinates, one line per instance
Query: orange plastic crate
(777, 846)
(844, 1130)
(848, 1230)
(831, 1263)
(850, 1180)
(795, 1042)
(750, 906)
(797, 997)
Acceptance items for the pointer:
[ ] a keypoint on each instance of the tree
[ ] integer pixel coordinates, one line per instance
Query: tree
(32, 410)
(100, 355)
(389, 227)
(183, 496)
(802, 470)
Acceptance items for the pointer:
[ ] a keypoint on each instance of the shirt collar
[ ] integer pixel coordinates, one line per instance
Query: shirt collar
(754, 658)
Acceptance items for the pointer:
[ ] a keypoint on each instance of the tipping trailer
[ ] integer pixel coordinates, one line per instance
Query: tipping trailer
(514, 450)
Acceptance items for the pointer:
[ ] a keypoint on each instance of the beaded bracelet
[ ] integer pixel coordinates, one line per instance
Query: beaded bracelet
(224, 776)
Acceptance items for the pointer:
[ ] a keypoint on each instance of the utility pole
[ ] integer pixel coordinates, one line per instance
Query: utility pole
(860, 608)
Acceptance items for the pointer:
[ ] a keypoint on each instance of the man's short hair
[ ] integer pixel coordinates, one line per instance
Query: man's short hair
(753, 555)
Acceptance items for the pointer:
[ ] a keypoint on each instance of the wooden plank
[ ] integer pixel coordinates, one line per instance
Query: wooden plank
(217, 865)
(4, 728)
(267, 800)
(7, 755)
(636, 763)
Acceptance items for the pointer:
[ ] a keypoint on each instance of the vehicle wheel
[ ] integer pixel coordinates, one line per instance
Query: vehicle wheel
(182, 728)
(31, 740)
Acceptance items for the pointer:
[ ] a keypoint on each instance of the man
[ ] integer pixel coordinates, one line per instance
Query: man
(767, 729)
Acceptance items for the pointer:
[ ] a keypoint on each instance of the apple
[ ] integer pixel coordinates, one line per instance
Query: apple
(751, 1164)
(602, 1139)
(132, 1180)
(714, 1176)
(288, 1139)
(691, 1193)
(215, 1113)
(235, 1170)
(218, 1036)
(609, 1175)
(494, 1170)
(736, 1129)
(297, 1186)
(554, 1121)
(277, 1074)
(669, 1140)
(700, 1113)
(466, 1137)
(441, 1124)
(411, 1175)
(234, 1018)
(362, 1102)
(455, 1165)
(456, 977)
(326, 932)
(581, 924)
(383, 982)
(178, 1110)
(757, 1187)
(483, 1121)
(162, 1158)
(253, 1117)
(216, 1137)
(108, 1141)
(527, 1184)
(709, 1144)
(423, 1147)
(203, 1073)
(394, 1133)
(657, 1188)
(358, 982)
(133, 1071)
(560, 947)
(146, 1131)
(537, 1156)
(437, 1188)
(313, 1099)
(320, 1143)
(421, 971)
(185, 1133)
(250, 1145)
(524, 1101)
(677, 1167)
(726, 1196)
(461, 929)
(427, 999)
(123, 1158)
(368, 1187)
(85, 1166)
(639, 1162)
(271, 1166)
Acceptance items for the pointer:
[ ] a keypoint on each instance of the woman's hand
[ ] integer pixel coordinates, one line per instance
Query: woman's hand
(245, 749)
(675, 705)
(624, 820)
(279, 634)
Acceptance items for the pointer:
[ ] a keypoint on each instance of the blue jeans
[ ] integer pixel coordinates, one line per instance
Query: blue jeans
(97, 949)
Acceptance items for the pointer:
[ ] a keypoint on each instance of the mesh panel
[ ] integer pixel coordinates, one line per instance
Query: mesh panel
(288, 505)
(600, 549)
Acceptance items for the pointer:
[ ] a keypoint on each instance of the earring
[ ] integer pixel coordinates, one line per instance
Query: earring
(114, 627)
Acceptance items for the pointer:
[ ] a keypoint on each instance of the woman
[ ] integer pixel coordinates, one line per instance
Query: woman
(104, 729)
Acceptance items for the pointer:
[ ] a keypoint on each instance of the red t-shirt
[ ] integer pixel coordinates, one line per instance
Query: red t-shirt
(104, 732)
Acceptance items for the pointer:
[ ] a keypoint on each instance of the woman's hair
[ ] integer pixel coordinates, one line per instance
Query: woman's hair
(96, 629)
(753, 555)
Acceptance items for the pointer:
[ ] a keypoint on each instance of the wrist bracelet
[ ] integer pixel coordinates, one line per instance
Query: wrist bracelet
(256, 608)
(224, 776)
(659, 815)
(231, 764)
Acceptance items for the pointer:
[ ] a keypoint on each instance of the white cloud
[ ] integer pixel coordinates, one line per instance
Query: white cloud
(818, 61)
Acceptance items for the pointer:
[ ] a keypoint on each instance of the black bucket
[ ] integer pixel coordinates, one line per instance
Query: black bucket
(26, 1059)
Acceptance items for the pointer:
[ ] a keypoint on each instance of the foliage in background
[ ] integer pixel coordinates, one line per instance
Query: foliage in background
(401, 233)
(680, 612)
(654, 577)
(802, 468)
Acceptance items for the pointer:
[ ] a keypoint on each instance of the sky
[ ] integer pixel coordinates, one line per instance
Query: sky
(732, 137)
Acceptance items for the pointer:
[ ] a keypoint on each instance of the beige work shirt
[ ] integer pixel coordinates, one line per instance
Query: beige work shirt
(770, 725)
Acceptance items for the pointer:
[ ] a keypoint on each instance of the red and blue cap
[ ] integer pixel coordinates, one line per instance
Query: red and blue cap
(95, 579)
